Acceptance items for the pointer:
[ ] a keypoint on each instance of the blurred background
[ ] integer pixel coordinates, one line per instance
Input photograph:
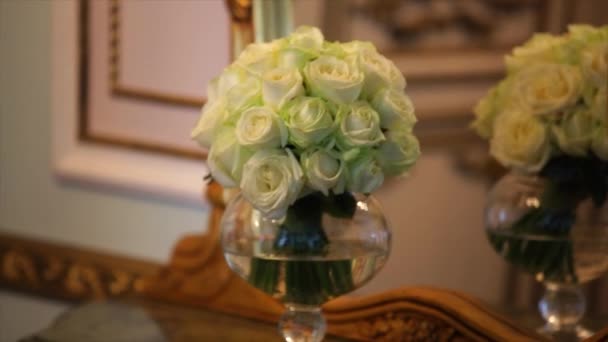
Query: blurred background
(97, 99)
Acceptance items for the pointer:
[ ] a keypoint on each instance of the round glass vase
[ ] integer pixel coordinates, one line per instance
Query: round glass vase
(322, 248)
(555, 234)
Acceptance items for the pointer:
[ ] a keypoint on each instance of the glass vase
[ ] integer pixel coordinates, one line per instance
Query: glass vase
(324, 247)
(555, 233)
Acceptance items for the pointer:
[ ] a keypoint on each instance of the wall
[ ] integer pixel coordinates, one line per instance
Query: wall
(32, 202)
(436, 213)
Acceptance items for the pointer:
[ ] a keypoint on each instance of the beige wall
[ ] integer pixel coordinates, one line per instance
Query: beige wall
(32, 201)
(436, 215)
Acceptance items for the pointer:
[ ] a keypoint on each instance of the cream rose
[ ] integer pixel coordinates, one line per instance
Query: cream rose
(213, 91)
(281, 85)
(358, 126)
(599, 144)
(258, 58)
(542, 89)
(212, 116)
(594, 63)
(307, 38)
(334, 79)
(309, 121)
(574, 133)
(324, 170)
(261, 127)
(597, 102)
(272, 180)
(226, 158)
(521, 141)
(364, 173)
(541, 48)
(599, 110)
(485, 112)
(301, 46)
(398, 153)
(230, 77)
(394, 107)
(243, 95)
(379, 71)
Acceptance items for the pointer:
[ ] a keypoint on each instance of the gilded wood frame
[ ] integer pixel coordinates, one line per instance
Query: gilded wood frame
(84, 133)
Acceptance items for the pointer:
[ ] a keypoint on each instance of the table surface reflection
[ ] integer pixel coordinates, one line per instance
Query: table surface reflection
(153, 321)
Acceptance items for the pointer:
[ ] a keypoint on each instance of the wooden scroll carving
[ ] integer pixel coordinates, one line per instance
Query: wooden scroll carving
(601, 336)
(68, 273)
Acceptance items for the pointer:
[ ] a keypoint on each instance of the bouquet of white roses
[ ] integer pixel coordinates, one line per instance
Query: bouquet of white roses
(301, 114)
(299, 124)
(553, 101)
(549, 117)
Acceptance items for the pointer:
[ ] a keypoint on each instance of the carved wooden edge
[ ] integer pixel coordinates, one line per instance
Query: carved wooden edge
(449, 313)
(600, 336)
(69, 273)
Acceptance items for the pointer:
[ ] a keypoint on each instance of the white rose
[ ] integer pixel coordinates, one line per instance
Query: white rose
(398, 153)
(281, 85)
(574, 133)
(546, 88)
(213, 91)
(333, 79)
(599, 110)
(364, 174)
(272, 180)
(541, 48)
(520, 141)
(309, 121)
(301, 46)
(258, 58)
(212, 117)
(594, 63)
(338, 50)
(324, 170)
(599, 104)
(394, 107)
(379, 71)
(358, 126)
(230, 77)
(261, 127)
(599, 144)
(485, 112)
(307, 38)
(246, 94)
(226, 158)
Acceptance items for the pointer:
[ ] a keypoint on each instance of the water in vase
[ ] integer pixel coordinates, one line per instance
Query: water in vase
(576, 259)
(309, 279)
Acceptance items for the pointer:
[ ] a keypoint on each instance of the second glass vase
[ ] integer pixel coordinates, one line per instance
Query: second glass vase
(556, 234)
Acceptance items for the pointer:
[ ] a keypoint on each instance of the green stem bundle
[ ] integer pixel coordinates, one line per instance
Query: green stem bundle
(300, 246)
(540, 241)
